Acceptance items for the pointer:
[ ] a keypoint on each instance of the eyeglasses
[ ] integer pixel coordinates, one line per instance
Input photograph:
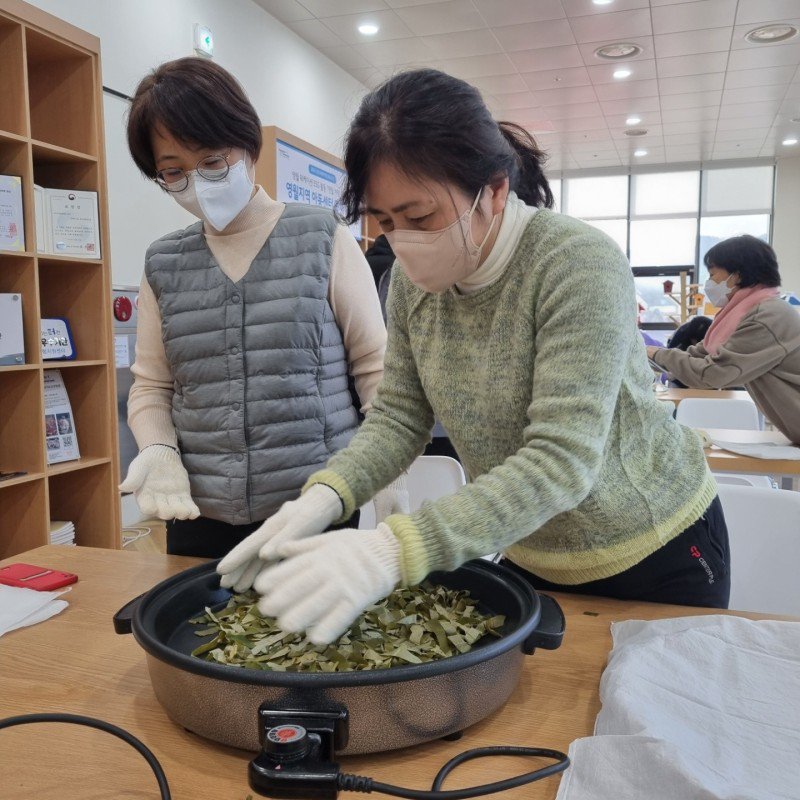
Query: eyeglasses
(212, 168)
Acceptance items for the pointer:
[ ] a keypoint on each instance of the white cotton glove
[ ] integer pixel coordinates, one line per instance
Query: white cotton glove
(327, 581)
(392, 500)
(312, 512)
(160, 484)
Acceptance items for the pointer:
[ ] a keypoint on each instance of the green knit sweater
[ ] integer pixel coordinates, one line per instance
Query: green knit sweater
(576, 470)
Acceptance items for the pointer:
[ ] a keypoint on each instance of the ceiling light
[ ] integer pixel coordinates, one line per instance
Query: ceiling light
(602, 2)
(633, 120)
(640, 153)
(791, 140)
(368, 29)
(618, 50)
(622, 73)
(771, 33)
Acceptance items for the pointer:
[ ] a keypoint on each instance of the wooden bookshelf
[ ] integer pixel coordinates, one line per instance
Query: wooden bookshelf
(266, 171)
(51, 129)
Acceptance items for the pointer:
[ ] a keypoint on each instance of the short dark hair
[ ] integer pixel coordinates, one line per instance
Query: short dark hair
(753, 259)
(199, 103)
(432, 125)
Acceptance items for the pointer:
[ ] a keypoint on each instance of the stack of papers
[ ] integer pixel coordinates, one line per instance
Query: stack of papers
(772, 450)
(62, 532)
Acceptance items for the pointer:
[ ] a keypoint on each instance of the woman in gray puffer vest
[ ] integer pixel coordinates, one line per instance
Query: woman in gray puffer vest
(250, 321)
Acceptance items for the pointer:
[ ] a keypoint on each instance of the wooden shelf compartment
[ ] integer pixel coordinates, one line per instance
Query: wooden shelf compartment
(88, 391)
(13, 117)
(15, 160)
(30, 476)
(74, 466)
(86, 497)
(75, 289)
(61, 93)
(72, 364)
(56, 171)
(21, 421)
(18, 275)
(43, 151)
(23, 517)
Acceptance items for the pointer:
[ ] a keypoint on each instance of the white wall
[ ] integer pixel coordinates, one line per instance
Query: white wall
(786, 223)
(290, 83)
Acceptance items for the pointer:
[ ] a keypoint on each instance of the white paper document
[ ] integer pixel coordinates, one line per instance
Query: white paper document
(696, 708)
(59, 422)
(786, 452)
(22, 607)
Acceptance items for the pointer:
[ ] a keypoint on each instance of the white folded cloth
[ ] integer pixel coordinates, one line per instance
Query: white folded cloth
(22, 607)
(700, 708)
(786, 452)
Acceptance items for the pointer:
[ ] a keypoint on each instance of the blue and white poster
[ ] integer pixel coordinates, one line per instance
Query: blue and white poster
(303, 178)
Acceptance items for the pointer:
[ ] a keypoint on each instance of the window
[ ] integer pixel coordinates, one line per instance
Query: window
(602, 201)
(661, 193)
(663, 242)
(716, 229)
(738, 189)
(555, 188)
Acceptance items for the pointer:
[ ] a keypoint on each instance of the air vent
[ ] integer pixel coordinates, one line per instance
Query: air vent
(618, 51)
(636, 132)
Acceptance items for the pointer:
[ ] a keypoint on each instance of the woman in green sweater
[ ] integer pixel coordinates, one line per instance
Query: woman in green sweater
(516, 327)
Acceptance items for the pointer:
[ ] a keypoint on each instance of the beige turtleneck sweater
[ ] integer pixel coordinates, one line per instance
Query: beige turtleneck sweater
(351, 293)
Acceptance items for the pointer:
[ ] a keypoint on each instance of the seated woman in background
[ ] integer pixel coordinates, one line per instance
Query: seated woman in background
(754, 340)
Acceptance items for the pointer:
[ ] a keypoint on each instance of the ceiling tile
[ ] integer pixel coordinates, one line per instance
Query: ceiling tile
(621, 120)
(693, 125)
(548, 33)
(405, 3)
(623, 89)
(582, 8)
(463, 44)
(566, 97)
(389, 24)
(694, 16)
(604, 73)
(369, 76)
(653, 132)
(754, 94)
(447, 17)
(691, 42)
(741, 123)
(325, 8)
(739, 79)
(746, 134)
(547, 58)
(684, 155)
(285, 10)
(346, 57)
(688, 114)
(500, 84)
(517, 100)
(694, 138)
(692, 83)
(585, 124)
(557, 78)
(572, 111)
(698, 64)
(314, 32)
(476, 66)
(691, 100)
(589, 58)
(754, 110)
(397, 51)
(771, 55)
(754, 12)
(503, 12)
(634, 105)
(619, 25)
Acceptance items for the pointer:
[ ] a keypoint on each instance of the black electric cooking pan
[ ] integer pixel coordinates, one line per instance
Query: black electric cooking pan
(387, 708)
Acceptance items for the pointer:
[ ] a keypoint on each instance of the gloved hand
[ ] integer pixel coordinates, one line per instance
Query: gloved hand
(327, 581)
(160, 484)
(312, 512)
(392, 500)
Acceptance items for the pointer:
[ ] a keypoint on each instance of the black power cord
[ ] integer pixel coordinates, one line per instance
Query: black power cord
(360, 783)
(91, 722)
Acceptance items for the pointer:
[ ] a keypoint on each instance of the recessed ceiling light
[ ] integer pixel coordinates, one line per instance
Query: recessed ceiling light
(602, 2)
(791, 140)
(771, 33)
(622, 73)
(368, 29)
(640, 153)
(633, 120)
(618, 50)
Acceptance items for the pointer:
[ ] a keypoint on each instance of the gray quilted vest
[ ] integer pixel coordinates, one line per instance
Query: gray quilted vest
(261, 395)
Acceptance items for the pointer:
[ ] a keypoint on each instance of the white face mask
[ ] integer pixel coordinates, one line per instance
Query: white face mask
(716, 293)
(217, 202)
(437, 260)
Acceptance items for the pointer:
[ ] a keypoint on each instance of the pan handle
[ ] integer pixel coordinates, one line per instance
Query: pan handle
(550, 630)
(124, 617)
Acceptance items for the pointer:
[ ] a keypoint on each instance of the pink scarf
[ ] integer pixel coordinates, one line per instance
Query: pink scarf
(727, 319)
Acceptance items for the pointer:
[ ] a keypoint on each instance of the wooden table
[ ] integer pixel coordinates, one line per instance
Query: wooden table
(724, 461)
(75, 663)
(676, 395)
